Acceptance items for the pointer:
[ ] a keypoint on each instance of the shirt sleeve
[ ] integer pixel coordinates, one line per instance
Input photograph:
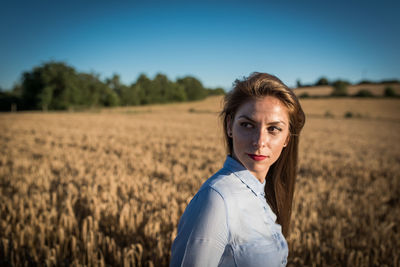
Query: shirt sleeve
(202, 232)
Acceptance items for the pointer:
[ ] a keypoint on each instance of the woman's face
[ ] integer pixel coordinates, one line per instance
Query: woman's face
(260, 130)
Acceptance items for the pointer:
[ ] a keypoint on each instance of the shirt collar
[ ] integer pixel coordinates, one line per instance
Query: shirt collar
(244, 175)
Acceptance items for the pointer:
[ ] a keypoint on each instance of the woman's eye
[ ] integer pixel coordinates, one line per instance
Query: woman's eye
(274, 129)
(246, 125)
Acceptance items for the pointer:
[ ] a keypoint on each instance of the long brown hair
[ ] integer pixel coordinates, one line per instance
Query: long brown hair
(281, 175)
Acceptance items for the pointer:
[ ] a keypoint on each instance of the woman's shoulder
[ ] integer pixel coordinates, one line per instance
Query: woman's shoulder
(224, 182)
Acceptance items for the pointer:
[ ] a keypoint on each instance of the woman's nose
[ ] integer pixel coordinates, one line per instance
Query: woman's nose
(259, 139)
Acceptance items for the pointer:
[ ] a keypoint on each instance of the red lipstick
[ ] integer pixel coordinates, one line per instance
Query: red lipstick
(257, 157)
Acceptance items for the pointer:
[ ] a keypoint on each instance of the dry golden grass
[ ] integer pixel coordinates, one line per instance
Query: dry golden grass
(108, 188)
(368, 108)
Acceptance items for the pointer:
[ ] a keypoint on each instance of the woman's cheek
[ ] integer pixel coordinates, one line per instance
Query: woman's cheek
(241, 136)
(278, 142)
(277, 146)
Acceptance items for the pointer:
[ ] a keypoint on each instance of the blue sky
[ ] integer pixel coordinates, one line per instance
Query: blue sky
(215, 41)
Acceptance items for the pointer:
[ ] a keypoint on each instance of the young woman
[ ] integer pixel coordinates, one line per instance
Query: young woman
(241, 215)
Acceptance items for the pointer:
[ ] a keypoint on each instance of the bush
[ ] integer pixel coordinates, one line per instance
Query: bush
(366, 82)
(322, 81)
(348, 114)
(304, 95)
(340, 88)
(364, 93)
(390, 81)
(9, 101)
(389, 92)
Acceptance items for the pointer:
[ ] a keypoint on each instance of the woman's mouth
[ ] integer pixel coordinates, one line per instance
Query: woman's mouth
(257, 157)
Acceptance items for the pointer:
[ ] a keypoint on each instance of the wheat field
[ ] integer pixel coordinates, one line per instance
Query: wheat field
(107, 187)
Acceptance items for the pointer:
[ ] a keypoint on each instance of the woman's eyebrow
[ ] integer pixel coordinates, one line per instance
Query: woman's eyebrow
(246, 117)
(250, 119)
(277, 122)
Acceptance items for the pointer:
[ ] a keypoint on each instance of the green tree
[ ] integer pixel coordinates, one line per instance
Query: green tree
(55, 85)
(216, 91)
(115, 84)
(96, 93)
(322, 81)
(364, 93)
(130, 95)
(340, 88)
(109, 98)
(50, 86)
(176, 92)
(90, 90)
(193, 88)
(389, 92)
(165, 90)
(144, 89)
(46, 96)
(31, 88)
(9, 101)
(159, 89)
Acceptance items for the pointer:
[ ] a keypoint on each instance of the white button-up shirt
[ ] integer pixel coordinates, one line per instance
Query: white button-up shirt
(229, 223)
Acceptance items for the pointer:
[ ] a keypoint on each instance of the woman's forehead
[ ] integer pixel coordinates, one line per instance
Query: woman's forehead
(268, 107)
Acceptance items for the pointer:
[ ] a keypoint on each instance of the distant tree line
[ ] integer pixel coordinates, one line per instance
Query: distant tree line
(57, 86)
(340, 88)
(324, 81)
